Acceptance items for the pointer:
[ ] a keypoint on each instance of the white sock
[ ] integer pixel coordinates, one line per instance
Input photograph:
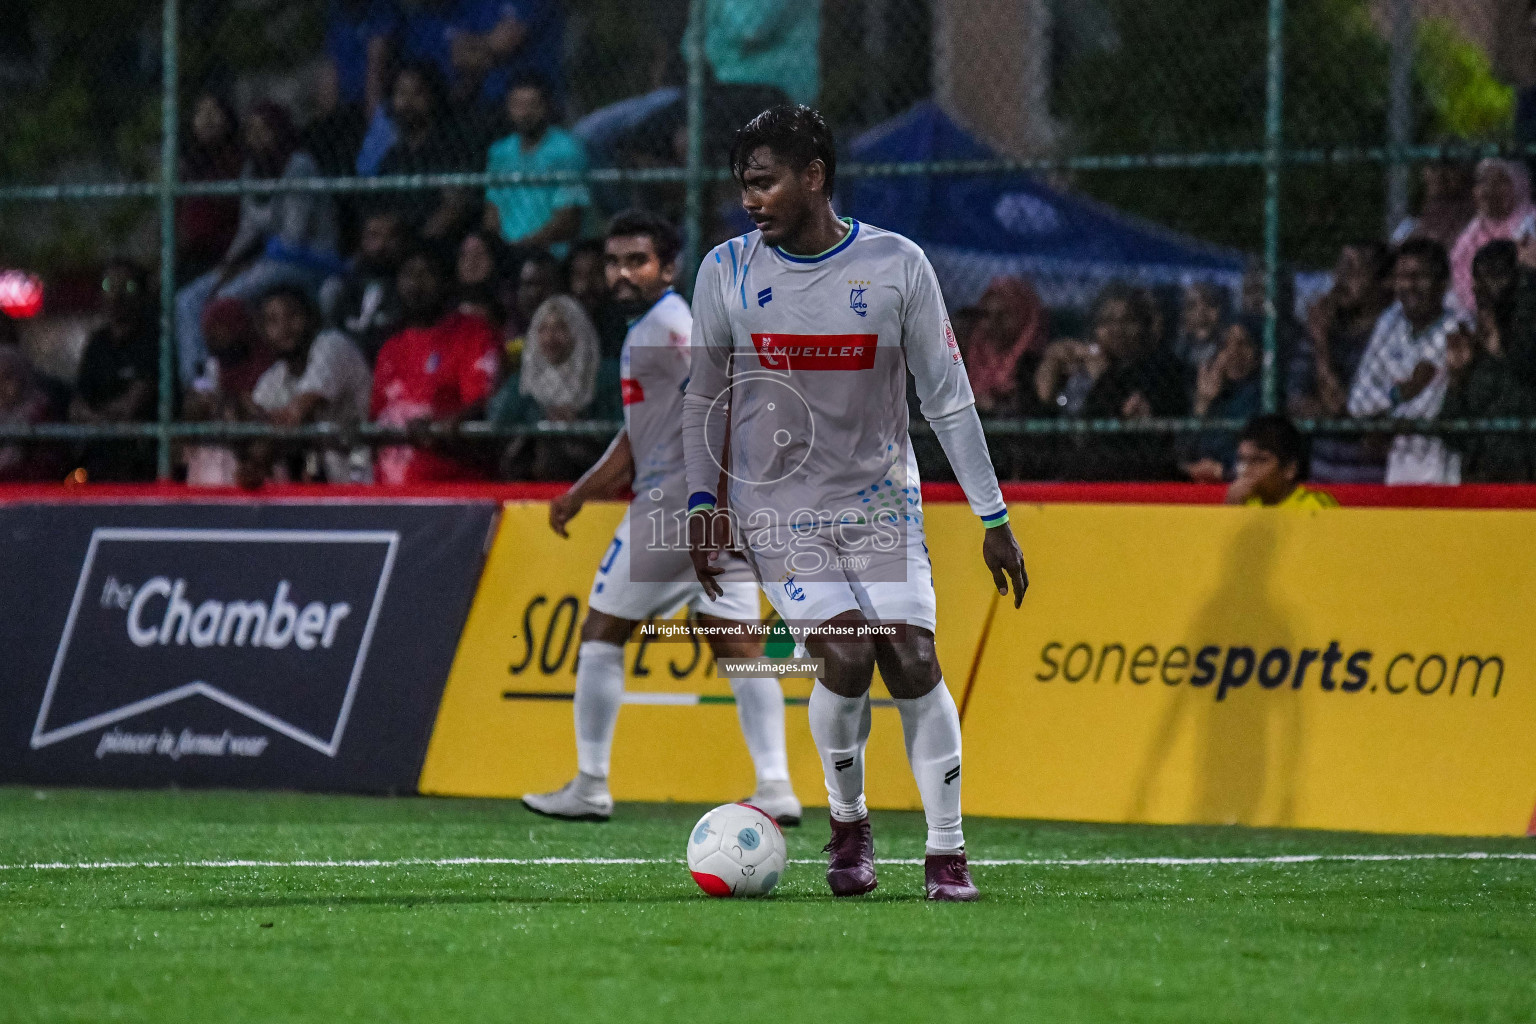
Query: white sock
(599, 693)
(931, 725)
(760, 706)
(840, 727)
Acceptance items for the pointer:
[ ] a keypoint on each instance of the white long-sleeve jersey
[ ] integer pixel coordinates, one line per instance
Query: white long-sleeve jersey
(808, 357)
(653, 367)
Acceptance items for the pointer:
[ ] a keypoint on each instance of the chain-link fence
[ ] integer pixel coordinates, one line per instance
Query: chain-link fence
(1151, 220)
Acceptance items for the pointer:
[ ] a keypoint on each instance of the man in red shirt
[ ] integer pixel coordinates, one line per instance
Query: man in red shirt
(440, 369)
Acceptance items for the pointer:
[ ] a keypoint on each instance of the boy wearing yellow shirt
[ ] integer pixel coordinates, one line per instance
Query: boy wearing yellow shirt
(1271, 463)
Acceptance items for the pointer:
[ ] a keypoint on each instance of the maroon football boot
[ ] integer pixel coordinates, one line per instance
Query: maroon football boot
(948, 878)
(851, 868)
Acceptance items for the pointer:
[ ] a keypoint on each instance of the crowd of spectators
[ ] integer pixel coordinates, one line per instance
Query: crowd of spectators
(423, 308)
(1439, 322)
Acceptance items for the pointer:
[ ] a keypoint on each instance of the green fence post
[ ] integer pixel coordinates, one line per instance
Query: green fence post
(1274, 86)
(693, 207)
(168, 131)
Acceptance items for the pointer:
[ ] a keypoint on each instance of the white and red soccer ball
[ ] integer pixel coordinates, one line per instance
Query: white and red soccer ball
(736, 850)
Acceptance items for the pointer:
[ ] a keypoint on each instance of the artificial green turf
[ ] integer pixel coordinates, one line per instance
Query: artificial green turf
(1373, 941)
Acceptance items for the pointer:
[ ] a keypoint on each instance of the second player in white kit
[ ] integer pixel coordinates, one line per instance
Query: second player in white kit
(646, 571)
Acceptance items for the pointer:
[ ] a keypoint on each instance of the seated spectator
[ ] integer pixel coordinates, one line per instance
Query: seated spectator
(529, 216)
(1003, 350)
(1445, 208)
(283, 238)
(440, 370)
(362, 301)
(1339, 327)
(1502, 192)
(1271, 465)
(562, 379)
(588, 279)
(537, 281)
(23, 402)
(1117, 374)
(1228, 387)
(765, 42)
(118, 379)
(1492, 370)
(481, 46)
(318, 376)
(1203, 315)
(237, 359)
(1402, 374)
(205, 225)
(428, 140)
(480, 285)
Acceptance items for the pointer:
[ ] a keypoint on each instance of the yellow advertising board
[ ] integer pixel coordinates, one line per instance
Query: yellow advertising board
(1358, 668)
(505, 727)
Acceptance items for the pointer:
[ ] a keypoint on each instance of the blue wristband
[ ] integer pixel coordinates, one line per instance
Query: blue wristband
(995, 519)
(700, 501)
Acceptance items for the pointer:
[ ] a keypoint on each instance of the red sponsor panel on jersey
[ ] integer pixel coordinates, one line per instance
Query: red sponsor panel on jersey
(816, 351)
(631, 391)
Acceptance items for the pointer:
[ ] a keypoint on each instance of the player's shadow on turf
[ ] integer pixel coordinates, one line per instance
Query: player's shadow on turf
(1247, 745)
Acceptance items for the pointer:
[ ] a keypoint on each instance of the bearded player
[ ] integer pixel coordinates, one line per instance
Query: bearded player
(804, 331)
(646, 571)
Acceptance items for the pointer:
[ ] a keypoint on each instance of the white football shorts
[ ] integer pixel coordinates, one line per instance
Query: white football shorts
(668, 583)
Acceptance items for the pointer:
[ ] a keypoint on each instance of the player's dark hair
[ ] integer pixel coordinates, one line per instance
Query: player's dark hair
(794, 133)
(653, 226)
(1428, 250)
(1278, 436)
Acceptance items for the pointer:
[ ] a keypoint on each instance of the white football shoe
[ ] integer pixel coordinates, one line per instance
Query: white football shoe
(584, 798)
(778, 801)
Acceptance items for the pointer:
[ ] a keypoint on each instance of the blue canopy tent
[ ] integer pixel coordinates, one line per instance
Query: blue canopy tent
(974, 227)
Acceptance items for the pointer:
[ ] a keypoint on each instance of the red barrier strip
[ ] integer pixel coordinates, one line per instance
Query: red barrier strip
(1360, 495)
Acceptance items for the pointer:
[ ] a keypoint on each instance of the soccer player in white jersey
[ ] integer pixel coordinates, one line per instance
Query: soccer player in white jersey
(804, 333)
(646, 571)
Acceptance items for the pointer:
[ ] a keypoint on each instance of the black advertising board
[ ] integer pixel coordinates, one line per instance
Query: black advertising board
(250, 645)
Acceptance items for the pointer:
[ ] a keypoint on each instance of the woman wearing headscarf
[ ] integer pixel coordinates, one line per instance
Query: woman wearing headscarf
(1502, 191)
(560, 380)
(1005, 346)
(283, 237)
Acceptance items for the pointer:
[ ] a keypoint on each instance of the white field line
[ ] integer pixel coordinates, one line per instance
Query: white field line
(1044, 862)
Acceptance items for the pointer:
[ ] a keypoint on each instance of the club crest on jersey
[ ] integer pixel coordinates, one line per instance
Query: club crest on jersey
(950, 341)
(791, 589)
(856, 298)
(764, 297)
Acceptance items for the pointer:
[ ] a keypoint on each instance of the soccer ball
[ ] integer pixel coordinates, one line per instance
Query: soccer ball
(736, 850)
